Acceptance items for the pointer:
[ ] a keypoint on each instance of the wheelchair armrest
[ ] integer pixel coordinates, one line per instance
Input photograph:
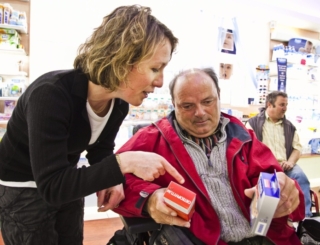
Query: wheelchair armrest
(135, 225)
(138, 126)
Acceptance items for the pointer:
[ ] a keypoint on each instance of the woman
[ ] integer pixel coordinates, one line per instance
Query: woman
(63, 113)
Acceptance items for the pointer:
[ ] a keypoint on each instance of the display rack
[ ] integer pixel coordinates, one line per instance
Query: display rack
(20, 29)
(15, 61)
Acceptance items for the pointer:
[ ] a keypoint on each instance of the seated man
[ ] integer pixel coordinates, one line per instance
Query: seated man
(220, 161)
(280, 135)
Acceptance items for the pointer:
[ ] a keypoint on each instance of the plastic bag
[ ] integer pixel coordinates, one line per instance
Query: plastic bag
(315, 145)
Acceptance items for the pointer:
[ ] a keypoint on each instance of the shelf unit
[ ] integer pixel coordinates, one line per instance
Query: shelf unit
(282, 34)
(15, 62)
(303, 80)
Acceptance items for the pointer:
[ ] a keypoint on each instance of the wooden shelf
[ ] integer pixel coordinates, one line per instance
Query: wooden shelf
(13, 51)
(19, 73)
(4, 122)
(9, 98)
(284, 33)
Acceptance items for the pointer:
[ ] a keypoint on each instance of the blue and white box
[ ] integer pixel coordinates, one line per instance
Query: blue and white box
(264, 203)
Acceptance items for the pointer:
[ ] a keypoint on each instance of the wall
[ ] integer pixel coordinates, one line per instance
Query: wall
(309, 164)
(59, 27)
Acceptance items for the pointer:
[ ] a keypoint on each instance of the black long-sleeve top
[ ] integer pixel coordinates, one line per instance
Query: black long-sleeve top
(46, 134)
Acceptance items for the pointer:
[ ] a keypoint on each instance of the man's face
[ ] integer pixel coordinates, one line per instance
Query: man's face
(197, 104)
(279, 109)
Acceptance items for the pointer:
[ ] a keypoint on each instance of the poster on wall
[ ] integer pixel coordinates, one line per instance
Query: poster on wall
(228, 45)
(225, 71)
(301, 45)
(282, 74)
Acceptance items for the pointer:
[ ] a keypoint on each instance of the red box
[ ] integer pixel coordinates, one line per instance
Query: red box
(181, 200)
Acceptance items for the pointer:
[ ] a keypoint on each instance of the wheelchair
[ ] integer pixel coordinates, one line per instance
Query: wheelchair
(137, 230)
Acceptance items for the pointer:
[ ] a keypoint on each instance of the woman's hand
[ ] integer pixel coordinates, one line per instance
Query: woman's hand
(110, 198)
(147, 165)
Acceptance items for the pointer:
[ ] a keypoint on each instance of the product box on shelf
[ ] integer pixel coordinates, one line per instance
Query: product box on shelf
(9, 106)
(8, 31)
(264, 203)
(9, 39)
(181, 200)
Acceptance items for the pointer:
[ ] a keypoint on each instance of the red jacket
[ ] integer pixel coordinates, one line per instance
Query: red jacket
(246, 158)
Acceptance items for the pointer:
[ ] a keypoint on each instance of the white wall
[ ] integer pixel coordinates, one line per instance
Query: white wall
(59, 27)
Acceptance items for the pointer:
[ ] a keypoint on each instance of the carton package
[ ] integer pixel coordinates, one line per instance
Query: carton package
(8, 31)
(264, 203)
(181, 200)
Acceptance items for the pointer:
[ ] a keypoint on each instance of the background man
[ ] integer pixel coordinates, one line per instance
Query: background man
(280, 135)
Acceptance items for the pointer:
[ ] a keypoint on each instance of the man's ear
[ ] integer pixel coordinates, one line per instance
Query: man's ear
(172, 101)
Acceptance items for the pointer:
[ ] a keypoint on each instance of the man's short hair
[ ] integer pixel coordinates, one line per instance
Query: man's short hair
(209, 71)
(272, 97)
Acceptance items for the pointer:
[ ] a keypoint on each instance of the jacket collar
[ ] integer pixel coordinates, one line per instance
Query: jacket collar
(80, 84)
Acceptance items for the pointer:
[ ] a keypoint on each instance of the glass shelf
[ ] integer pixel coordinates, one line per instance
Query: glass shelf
(8, 98)
(20, 29)
(15, 74)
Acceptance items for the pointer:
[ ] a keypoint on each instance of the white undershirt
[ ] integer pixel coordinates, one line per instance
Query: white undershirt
(97, 123)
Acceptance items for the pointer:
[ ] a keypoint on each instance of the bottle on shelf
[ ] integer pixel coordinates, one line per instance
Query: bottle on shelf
(1, 13)
(281, 88)
(154, 115)
(147, 114)
(7, 9)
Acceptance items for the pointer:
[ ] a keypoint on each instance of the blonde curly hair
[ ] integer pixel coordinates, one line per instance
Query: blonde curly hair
(127, 36)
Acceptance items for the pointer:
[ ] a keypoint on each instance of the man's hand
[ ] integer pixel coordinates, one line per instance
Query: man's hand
(289, 195)
(161, 213)
(286, 165)
(110, 198)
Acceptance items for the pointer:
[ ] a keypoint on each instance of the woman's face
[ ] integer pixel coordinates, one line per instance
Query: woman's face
(146, 76)
(225, 71)
(228, 41)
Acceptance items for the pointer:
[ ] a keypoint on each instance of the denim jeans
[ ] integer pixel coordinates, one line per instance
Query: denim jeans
(297, 174)
(26, 219)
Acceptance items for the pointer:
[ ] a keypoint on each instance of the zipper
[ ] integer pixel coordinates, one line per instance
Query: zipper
(232, 183)
(231, 180)
(188, 173)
